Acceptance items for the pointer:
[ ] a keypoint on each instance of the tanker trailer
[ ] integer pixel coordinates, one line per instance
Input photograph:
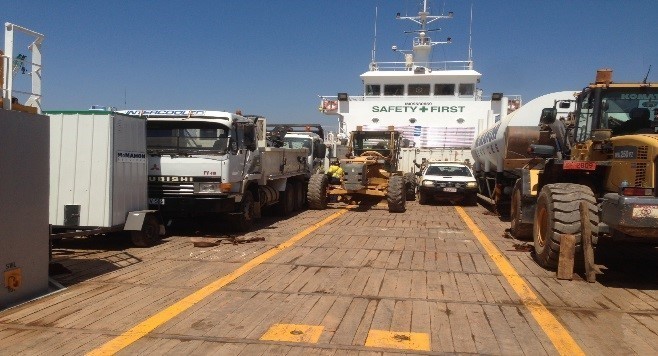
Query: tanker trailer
(500, 151)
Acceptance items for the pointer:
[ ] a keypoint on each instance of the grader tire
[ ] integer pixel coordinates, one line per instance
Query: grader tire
(558, 213)
(396, 195)
(317, 191)
(410, 186)
(521, 231)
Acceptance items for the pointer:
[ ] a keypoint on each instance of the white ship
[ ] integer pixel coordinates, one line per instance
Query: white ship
(436, 105)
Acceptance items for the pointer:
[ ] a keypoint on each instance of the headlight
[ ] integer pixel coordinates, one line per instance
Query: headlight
(471, 184)
(205, 188)
(428, 183)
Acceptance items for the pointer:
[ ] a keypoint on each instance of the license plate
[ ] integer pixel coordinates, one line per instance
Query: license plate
(645, 211)
(451, 190)
(156, 201)
(579, 165)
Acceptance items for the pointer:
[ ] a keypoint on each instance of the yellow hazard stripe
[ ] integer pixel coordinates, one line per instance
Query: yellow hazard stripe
(142, 329)
(559, 336)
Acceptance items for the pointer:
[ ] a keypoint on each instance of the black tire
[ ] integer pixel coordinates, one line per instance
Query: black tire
(410, 186)
(317, 191)
(396, 196)
(470, 200)
(558, 213)
(287, 200)
(244, 219)
(300, 193)
(149, 234)
(423, 199)
(521, 231)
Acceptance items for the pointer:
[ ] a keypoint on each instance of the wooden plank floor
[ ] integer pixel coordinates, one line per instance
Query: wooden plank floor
(368, 282)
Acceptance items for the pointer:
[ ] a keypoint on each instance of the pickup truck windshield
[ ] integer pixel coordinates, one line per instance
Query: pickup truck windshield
(448, 171)
(186, 137)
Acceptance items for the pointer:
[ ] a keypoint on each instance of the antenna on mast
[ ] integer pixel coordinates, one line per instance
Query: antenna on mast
(374, 42)
(470, 32)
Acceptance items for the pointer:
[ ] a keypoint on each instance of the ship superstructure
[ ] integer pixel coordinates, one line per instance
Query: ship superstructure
(436, 105)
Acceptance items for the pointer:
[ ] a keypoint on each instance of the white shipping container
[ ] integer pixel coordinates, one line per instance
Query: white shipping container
(98, 169)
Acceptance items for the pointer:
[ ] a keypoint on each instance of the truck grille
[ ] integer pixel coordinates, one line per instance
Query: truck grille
(157, 190)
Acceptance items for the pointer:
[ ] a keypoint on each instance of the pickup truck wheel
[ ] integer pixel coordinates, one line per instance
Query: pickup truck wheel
(396, 196)
(521, 231)
(410, 186)
(558, 213)
(317, 191)
(148, 235)
(471, 200)
(287, 200)
(244, 220)
(423, 199)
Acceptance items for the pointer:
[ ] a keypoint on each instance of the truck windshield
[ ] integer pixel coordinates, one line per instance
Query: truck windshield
(297, 142)
(627, 111)
(186, 137)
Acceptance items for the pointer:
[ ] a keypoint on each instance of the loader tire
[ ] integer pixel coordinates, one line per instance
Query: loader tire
(317, 192)
(518, 229)
(558, 213)
(410, 186)
(396, 196)
(148, 235)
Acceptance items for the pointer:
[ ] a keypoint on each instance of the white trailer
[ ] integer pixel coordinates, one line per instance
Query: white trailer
(214, 163)
(98, 176)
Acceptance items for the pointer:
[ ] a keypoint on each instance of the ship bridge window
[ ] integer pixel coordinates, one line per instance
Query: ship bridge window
(373, 90)
(419, 89)
(394, 89)
(466, 89)
(444, 89)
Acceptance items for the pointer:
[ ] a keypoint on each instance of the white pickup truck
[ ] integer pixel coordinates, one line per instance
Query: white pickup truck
(217, 163)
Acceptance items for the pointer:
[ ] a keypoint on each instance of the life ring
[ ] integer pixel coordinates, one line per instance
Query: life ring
(329, 105)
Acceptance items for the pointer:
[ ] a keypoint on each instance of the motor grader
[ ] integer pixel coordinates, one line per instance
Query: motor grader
(370, 170)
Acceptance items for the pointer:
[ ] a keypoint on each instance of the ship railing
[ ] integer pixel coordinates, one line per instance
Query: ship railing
(409, 66)
(514, 100)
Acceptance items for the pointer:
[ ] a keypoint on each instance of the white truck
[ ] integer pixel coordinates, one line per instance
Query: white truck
(217, 163)
(309, 136)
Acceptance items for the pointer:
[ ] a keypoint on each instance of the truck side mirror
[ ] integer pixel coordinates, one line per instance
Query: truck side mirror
(548, 116)
(321, 150)
(250, 137)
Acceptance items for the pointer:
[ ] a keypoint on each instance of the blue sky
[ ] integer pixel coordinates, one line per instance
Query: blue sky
(274, 57)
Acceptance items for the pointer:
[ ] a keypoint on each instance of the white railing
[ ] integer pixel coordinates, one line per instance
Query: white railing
(407, 66)
(8, 58)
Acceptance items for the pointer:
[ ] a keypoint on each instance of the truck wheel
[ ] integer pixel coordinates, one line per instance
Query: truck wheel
(300, 195)
(244, 219)
(287, 200)
(410, 186)
(317, 191)
(423, 199)
(149, 234)
(558, 213)
(521, 231)
(396, 196)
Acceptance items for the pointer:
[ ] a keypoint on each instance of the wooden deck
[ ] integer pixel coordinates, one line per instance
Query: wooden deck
(435, 279)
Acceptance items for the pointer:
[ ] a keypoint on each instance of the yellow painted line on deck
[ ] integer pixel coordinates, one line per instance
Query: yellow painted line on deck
(398, 340)
(293, 333)
(142, 329)
(559, 336)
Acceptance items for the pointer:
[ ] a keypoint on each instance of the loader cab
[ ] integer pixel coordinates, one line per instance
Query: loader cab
(621, 109)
